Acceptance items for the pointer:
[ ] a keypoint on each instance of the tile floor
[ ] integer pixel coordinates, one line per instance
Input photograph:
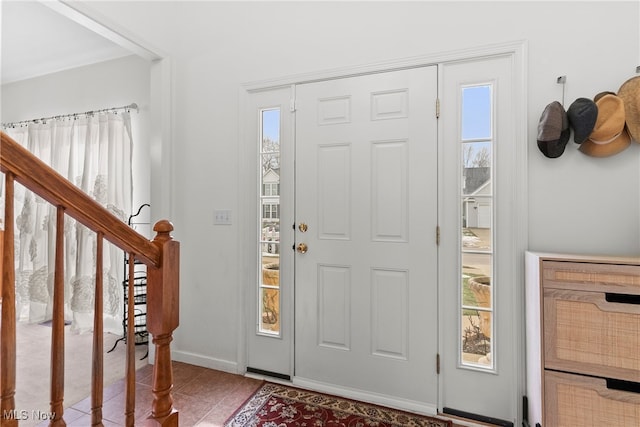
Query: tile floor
(205, 398)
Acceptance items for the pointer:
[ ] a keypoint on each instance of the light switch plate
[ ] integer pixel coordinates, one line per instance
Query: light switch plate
(222, 217)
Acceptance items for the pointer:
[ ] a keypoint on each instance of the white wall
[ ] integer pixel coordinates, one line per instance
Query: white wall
(577, 204)
(108, 84)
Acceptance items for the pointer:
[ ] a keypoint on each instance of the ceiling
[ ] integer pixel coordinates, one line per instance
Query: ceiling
(37, 40)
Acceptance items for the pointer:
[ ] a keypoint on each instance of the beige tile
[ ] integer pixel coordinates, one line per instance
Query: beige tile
(184, 373)
(203, 397)
(85, 421)
(144, 375)
(211, 385)
(216, 417)
(192, 409)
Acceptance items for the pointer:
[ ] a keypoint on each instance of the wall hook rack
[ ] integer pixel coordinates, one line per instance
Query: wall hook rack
(561, 81)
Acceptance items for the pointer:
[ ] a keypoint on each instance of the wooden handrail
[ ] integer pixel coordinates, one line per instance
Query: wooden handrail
(161, 256)
(35, 175)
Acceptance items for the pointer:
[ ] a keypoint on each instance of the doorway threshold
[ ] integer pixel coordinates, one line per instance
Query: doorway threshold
(263, 374)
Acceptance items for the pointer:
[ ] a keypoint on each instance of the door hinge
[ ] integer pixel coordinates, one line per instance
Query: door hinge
(437, 235)
(292, 105)
(437, 108)
(438, 363)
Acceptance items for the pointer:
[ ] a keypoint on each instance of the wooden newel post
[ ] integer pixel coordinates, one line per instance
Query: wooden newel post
(162, 320)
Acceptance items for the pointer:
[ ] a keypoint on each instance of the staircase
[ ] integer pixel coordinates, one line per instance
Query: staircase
(160, 255)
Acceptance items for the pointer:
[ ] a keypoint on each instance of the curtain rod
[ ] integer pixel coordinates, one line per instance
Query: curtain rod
(132, 106)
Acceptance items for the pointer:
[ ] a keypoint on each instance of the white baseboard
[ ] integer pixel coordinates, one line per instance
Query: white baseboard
(205, 361)
(365, 396)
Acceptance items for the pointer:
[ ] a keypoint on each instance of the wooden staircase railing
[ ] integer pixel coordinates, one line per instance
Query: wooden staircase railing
(161, 256)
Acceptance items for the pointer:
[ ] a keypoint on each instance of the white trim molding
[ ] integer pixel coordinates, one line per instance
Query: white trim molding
(77, 13)
(517, 48)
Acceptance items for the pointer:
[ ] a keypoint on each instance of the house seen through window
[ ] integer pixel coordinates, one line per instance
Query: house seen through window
(268, 303)
(476, 258)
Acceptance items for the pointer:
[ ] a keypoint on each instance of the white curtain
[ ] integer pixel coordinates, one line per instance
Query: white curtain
(94, 153)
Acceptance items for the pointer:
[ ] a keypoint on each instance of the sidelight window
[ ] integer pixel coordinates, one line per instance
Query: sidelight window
(269, 297)
(476, 225)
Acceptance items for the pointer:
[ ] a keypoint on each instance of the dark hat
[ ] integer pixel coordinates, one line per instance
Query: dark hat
(553, 130)
(609, 135)
(630, 94)
(582, 115)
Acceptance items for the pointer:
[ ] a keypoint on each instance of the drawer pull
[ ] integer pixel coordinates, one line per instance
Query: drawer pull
(630, 386)
(622, 298)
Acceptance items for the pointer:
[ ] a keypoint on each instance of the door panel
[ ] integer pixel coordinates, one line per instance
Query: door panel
(366, 186)
(270, 291)
(487, 386)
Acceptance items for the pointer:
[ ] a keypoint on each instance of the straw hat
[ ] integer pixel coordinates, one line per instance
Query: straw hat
(630, 94)
(553, 130)
(609, 135)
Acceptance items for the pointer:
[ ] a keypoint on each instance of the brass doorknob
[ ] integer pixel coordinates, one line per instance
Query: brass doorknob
(302, 248)
(302, 227)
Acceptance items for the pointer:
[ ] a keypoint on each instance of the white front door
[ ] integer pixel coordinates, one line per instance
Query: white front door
(366, 216)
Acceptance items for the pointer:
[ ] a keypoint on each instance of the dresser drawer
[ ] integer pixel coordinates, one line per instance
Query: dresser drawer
(592, 333)
(580, 401)
(617, 278)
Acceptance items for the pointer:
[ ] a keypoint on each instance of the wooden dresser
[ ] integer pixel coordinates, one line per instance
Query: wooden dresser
(583, 340)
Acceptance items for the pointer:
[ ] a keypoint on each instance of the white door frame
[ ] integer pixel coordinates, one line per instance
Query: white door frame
(517, 51)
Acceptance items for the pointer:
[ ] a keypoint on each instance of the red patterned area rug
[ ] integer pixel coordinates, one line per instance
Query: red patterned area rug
(275, 405)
